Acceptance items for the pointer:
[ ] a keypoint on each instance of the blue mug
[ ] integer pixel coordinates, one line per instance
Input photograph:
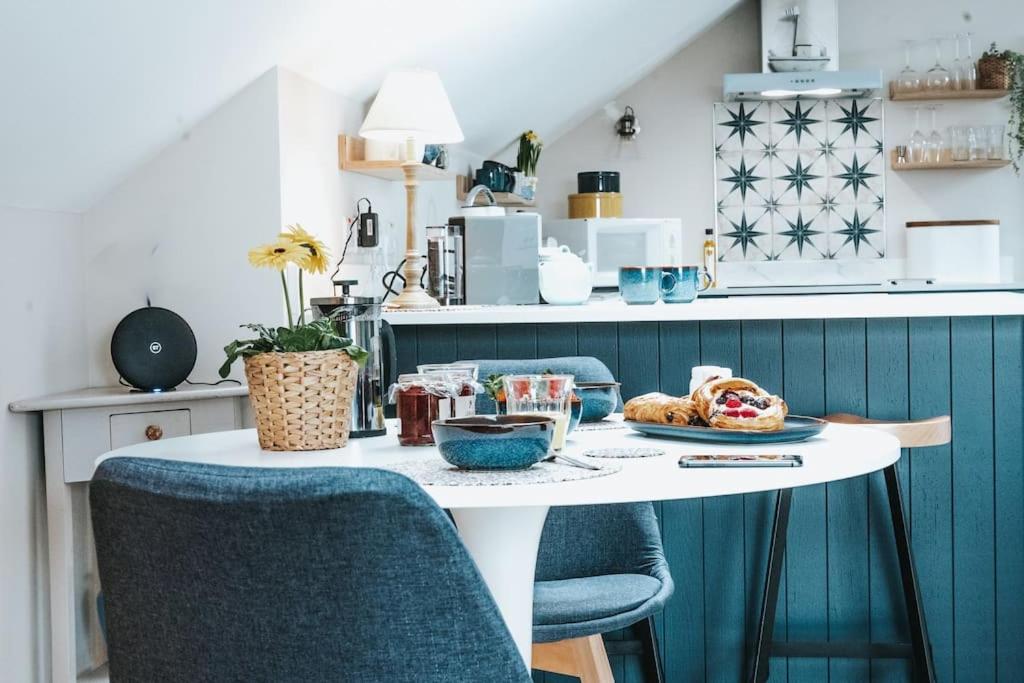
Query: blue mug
(639, 284)
(681, 284)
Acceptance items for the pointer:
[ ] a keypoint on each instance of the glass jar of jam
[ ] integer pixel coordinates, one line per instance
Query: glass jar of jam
(420, 399)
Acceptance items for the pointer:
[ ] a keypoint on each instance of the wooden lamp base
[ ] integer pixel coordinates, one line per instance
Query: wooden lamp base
(413, 296)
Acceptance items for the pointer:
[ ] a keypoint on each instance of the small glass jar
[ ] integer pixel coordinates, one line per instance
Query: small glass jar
(417, 407)
(465, 376)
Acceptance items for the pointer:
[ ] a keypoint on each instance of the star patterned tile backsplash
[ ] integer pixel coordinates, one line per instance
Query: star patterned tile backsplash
(799, 180)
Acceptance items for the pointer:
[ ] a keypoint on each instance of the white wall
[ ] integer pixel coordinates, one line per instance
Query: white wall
(42, 345)
(671, 174)
(178, 230)
(320, 197)
(667, 173)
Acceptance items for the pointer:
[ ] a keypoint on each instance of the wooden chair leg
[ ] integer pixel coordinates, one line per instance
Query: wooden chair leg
(584, 658)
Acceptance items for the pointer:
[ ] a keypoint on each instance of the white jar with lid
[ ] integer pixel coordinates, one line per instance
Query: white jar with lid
(702, 373)
(953, 251)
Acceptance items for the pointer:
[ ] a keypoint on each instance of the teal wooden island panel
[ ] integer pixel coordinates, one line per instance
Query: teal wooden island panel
(840, 580)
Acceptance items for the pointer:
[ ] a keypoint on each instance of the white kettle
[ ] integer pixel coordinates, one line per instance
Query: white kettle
(565, 280)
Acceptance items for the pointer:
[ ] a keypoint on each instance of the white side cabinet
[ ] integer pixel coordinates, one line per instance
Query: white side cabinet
(78, 427)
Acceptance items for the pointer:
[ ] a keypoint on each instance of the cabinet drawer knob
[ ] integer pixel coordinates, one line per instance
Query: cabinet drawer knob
(154, 433)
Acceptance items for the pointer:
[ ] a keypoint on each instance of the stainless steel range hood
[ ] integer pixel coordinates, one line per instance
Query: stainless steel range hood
(801, 85)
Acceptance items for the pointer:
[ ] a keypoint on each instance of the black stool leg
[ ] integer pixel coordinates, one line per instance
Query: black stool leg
(770, 600)
(651, 658)
(924, 667)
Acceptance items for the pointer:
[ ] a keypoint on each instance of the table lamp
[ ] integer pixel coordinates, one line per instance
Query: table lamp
(412, 107)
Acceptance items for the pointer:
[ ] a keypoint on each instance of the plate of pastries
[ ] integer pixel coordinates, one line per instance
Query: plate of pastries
(724, 409)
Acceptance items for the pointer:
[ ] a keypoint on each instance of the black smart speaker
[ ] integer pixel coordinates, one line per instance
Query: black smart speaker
(153, 349)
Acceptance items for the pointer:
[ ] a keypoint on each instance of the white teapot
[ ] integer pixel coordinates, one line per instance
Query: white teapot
(565, 280)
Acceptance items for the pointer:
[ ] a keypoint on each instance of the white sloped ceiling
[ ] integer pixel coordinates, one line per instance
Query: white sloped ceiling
(93, 88)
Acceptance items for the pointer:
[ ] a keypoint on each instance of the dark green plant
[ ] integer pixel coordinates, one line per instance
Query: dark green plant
(319, 335)
(528, 155)
(1015, 125)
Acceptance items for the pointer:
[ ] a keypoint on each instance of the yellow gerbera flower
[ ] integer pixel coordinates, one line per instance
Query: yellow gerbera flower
(317, 256)
(277, 255)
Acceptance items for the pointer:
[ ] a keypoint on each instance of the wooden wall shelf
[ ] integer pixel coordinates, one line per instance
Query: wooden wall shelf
(948, 95)
(352, 157)
(946, 163)
(464, 184)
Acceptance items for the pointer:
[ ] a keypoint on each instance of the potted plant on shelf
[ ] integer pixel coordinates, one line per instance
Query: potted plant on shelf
(1005, 70)
(530, 147)
(301, 376)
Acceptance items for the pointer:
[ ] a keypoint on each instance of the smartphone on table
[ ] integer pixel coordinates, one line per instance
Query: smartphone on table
(745, 460)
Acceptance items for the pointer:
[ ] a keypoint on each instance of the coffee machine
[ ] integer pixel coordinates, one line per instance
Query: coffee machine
(484, 260)
(358, 318)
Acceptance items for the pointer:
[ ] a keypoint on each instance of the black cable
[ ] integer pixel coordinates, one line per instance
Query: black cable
(390, 284)
(351, 232)
(121, 381)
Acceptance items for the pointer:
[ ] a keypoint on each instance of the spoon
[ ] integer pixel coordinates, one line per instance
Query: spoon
(572, 461)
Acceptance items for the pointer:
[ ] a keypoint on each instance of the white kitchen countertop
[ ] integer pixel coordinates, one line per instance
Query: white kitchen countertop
(803, 307)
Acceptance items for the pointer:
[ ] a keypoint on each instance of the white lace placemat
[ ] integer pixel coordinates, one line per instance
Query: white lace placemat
(437, 472)
(600, 426)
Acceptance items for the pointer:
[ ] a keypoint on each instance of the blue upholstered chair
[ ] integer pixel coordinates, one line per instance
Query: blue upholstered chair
(600, 568)
(243, 574)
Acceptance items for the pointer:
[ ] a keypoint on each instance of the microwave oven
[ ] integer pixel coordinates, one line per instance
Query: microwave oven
(607, 244)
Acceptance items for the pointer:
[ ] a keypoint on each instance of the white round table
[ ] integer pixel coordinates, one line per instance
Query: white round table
(501, 525)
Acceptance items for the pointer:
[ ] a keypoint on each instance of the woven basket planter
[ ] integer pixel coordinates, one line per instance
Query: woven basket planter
(302, 401)
(993, 74)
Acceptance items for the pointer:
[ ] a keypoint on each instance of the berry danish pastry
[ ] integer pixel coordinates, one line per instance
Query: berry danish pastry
(736, 403)
(663, 409)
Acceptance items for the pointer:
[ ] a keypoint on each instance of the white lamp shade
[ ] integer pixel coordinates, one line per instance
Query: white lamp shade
(412, 104)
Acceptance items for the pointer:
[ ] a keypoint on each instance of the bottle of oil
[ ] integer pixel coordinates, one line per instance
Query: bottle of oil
(711, 257)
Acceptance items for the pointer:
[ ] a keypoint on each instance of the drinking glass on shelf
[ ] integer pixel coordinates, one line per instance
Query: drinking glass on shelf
(956, 71)
(970, 75)
(977, 138)
(959, 148)
(995, 141)
(547, 395)
(908, 79)
(936, 145)
(918, 142)
(937, 77)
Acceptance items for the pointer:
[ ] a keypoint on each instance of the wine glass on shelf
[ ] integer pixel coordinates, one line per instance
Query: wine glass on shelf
(970, 74)
(908, 80)
(936, 145)
(937, 77)
(956, 72)
(917, 142)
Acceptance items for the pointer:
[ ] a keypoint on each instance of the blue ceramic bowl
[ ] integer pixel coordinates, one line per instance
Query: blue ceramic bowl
(600, 399)
(494, 442)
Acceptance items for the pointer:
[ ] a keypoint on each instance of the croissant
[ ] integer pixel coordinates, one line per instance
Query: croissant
(663, 409)
(737, 403)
